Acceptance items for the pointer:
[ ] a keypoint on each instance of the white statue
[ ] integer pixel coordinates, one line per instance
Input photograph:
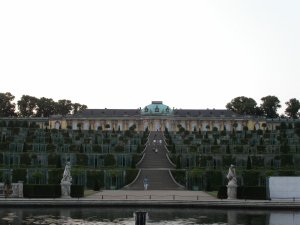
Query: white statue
(67, 173)
(232, 183)
(66, 181)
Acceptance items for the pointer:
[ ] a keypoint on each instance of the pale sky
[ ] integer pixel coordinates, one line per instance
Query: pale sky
(124, 54)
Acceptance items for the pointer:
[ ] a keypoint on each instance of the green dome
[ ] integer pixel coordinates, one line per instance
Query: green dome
(157, 108)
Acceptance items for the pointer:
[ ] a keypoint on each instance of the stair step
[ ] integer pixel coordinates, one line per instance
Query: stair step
(155, 167)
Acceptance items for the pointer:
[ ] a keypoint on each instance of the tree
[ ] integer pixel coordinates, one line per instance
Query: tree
(76, 108)
(27, 105)
(269, 105)
(242, 105)
(7, 108)
(293, 106)
(63, 107)
(45, 107)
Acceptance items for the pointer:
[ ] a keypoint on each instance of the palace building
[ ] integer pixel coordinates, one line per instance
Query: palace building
(156, 117)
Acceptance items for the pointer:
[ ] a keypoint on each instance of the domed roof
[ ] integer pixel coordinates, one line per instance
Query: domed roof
(156, 108)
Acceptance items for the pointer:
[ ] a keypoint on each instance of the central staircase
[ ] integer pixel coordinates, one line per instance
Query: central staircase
(155, 166)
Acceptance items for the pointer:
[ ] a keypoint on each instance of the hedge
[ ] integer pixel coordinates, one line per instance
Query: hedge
(41, 191)
(245, 192)
(213, 180)
(50, 191)
(95, 180)
(77, 191)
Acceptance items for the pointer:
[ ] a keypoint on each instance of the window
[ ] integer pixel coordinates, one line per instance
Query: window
(156, 109)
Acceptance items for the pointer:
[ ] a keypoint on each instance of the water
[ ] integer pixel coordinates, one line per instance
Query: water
(157, 216)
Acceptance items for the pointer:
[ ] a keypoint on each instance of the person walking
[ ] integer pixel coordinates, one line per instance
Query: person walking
(146, 183)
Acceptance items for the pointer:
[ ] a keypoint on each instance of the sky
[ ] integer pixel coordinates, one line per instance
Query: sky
(124, 54)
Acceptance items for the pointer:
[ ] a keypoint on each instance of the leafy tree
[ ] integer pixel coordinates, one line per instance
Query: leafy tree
(27, 105)
(45, 107)
(63, 107)
(76, 108)
(7, 107)
(243, 105)
(293, 106)
(269, 105)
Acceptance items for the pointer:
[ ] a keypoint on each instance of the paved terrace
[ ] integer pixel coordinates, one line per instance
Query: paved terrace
(150, 198)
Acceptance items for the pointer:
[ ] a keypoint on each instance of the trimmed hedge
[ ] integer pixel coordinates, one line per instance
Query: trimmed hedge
(50, 191)
(77, 191)
(245, 192)
(41, 191)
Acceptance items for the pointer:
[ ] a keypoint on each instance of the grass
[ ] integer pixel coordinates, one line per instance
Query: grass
(89, 192)
(213, 193)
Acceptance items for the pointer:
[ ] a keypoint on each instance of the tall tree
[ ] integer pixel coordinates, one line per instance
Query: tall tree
(78, 108)
(27, 105)
(293, 106)
(243, 105)
(7, 107)
(269, 105)
(63, 107)
(45, 107)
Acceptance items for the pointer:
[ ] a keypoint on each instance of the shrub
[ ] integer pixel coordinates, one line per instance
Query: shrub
(250, 177)
(179, 176)
(95, 180)
(245, 192)
(55, 176)
(41, 191)
(82, 159)
(77, 191)
(109, 160)
(222, 193)
(135, 159)
(130, 176)
(286, 173)
(25, 159)
(213, 180)
(19, 175)
(249, 192)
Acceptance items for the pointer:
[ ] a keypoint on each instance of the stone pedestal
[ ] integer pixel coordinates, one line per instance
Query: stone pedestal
(65, 189)
(231, 190)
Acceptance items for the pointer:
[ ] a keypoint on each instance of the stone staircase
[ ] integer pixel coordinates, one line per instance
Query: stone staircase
(155, 166)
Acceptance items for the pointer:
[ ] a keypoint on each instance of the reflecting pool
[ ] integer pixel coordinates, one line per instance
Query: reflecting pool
(157, 216)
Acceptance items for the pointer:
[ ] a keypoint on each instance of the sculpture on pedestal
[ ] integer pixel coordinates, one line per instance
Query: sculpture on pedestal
(66, 181)
(232, 183)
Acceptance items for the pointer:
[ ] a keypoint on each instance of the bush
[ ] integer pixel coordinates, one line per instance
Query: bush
(95, 180)
(77, 191)
(109, 160)
(250, 177)
(179, 176)
(286, 173)
(249, 192)
(19, 175)
(245, 192)
(55, 176)
(222, 193)
(41, 191)
(130, 176)
(82, 159)
(213, 180)
(135, 159)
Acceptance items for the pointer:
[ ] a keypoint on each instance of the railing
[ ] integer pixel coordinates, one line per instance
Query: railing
(152, 197)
